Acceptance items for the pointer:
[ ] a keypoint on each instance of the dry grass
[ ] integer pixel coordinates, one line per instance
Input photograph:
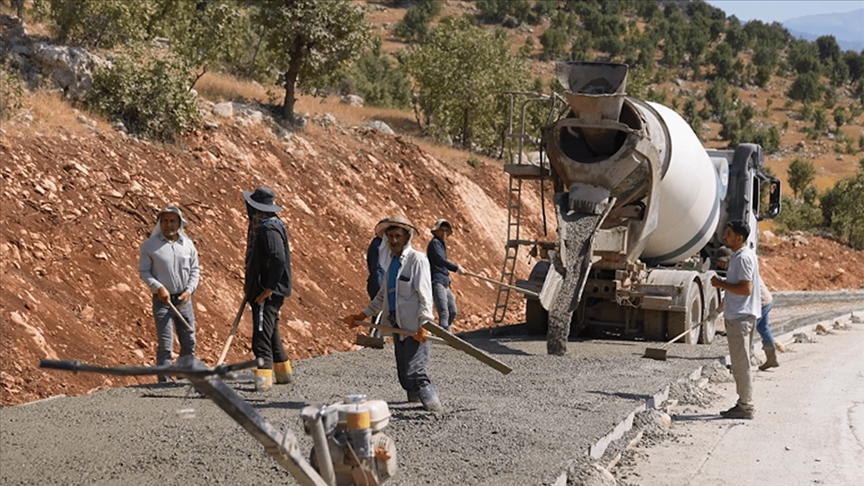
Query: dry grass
(218, 87)
(51, 112)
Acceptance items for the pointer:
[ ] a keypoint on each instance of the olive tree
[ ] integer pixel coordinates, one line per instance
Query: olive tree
(800, 174)
(309, 39)
(462, 74)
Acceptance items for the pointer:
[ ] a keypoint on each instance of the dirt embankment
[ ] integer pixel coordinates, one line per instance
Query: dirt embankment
(76, 206)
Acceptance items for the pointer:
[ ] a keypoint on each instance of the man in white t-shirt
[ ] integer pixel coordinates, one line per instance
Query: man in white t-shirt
(742, 308)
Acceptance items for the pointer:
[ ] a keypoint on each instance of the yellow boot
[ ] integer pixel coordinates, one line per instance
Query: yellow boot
(263, 379)
(282, 371)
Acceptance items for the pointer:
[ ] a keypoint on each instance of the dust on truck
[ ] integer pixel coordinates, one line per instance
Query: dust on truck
(641, 210)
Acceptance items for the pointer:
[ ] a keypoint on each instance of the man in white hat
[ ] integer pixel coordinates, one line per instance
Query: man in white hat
(406, 301)
(267, 284)
(169, 267)
(440, 266)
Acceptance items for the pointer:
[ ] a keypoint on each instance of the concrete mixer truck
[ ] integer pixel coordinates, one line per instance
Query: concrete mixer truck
(641, 209)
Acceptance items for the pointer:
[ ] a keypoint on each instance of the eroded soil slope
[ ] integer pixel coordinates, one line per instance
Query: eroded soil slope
(75, 209)
(76, 206)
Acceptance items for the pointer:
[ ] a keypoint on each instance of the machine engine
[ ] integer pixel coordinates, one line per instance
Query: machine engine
(359, 452)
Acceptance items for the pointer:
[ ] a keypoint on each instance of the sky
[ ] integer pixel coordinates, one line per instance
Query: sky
(770, 11)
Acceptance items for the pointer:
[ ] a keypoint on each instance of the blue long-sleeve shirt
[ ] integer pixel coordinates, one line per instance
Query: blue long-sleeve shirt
(440, 266)
(173, 265)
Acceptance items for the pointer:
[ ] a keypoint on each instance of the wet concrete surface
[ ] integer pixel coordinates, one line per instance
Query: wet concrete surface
(527, 427)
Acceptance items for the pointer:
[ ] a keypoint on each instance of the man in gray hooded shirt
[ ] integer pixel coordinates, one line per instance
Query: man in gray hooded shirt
(169, 267)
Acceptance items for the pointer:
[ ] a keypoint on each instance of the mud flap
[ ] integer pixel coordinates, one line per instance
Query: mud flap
(568, 274)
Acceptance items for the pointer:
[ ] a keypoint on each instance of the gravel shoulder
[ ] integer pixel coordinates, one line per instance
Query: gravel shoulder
(528, 427)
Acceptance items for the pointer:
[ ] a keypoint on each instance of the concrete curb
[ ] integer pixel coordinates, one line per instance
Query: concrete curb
(599, 447)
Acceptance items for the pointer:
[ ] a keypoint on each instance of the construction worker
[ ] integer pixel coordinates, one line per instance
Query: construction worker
(406, 302)
(741, 310)
(169, 267)
(377, 257)
(769, 346)
(440, 267)
(267, 284)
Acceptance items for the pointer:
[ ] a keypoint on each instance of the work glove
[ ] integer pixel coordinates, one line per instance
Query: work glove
(349, 320)
(460, 270)
(420, 335)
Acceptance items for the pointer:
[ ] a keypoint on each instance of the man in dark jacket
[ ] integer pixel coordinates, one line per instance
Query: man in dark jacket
(377, 257)
(441, 267)
(267, 284)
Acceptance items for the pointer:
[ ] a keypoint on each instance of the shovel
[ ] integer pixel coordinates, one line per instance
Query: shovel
(660, 353)
(231, 334)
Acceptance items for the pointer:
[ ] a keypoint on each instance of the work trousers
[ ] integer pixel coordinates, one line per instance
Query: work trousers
(739, 332)
(166, 323)
(412, 357)
(445, 304)
(764, 328)
(266, 341)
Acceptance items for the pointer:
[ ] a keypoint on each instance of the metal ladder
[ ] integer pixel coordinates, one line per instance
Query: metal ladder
(518, 172)
(511, 250)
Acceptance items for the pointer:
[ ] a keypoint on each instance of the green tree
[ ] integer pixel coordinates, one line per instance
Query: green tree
(806, 88)
(310, 39)
(494, 11)
(462, 75)
(855, 63)
(840, 116)
(735, 36)
(800, 175)
(843, 208)
(829, 50)
(798, 215)
(148, 93)
(724, 62)
(717, 96)
(554, 42)
(765, 58)
(414, 26)
(803, 57)
(376, 80)
(98, 24)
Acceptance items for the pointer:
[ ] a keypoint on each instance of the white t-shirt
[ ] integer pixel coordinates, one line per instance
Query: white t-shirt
(743, 265)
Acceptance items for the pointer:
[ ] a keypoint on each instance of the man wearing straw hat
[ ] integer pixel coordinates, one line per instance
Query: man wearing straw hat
(405, 300)
(169, 267)
(267, 284)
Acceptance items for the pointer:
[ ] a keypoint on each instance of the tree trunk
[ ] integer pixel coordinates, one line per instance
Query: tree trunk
(291, 80)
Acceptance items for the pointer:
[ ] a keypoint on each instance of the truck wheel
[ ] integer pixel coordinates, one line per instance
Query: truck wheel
(692, 316)
(536, 318)
(712, 315)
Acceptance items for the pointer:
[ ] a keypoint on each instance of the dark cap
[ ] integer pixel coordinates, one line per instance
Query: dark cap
(739, 227)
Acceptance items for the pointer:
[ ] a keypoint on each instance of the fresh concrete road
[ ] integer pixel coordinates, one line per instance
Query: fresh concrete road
(808, 429)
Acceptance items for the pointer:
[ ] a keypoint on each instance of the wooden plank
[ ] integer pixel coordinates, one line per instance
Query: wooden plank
(466, 347)
(396, 330)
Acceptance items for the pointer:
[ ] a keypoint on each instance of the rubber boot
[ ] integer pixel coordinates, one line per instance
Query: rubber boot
(282, 372)
(264, 379)
(429, 398)
(770, 359)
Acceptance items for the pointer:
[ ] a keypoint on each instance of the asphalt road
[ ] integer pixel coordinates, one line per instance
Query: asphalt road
(535, 425)
(808, 429)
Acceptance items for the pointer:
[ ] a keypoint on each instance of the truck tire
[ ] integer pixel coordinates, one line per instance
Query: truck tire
(692, 316)
(536, 318)
(712, 316)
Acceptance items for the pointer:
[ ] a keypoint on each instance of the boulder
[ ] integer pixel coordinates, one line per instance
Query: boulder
(381, 127)
(70, 68)
(352, 100)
